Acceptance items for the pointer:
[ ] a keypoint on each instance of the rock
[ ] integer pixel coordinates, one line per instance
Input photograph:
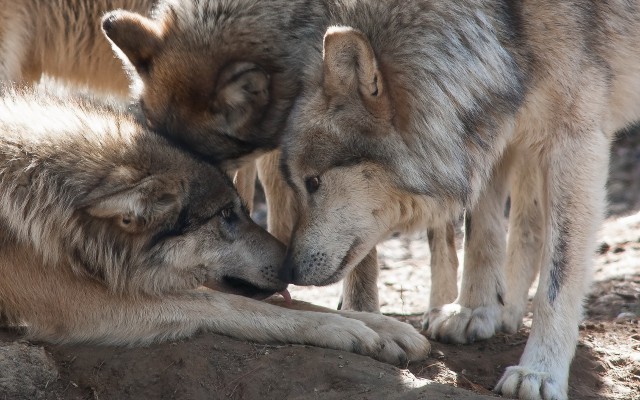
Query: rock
(26, 371)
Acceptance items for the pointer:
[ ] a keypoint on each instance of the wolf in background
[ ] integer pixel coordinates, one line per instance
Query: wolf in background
(62, 39)
(108, 233)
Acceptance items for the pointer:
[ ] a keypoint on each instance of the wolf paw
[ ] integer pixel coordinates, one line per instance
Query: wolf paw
(340, 333)
(400, 342)
(512, 318)
(525, 383)
(453, 323)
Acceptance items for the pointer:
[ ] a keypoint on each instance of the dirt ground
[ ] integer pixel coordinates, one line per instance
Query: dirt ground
(606, 366)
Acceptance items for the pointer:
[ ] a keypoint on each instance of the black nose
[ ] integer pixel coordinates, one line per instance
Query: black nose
(287, 272)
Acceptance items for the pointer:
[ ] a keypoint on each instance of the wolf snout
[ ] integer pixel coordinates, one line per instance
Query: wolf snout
(287, 272)
(306, 268)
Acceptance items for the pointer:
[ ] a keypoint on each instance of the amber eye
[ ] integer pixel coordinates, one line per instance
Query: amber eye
(312, 184)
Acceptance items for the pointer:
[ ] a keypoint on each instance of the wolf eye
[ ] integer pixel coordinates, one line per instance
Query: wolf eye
(312, 184)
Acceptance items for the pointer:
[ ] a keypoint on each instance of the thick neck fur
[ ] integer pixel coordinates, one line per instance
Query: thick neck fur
(53, 153)
(455, 84)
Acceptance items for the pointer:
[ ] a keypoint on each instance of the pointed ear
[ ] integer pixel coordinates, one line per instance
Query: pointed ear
(350, 65)
(137, 207)
(242, 92)
(137, 37)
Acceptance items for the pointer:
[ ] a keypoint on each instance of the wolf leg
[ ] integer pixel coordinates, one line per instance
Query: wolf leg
(574, 176)
(477, 311)
(444, 265)
(14, 41)
(360, 286)
(444, 268)
(99, 317)
(524, 245)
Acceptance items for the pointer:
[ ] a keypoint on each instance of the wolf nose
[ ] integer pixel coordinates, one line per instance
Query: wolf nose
(287, 272)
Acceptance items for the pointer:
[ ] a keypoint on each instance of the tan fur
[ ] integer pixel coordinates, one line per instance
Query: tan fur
(108, 233)
(62, 39)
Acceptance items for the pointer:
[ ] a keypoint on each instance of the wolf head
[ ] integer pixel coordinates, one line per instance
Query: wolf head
(349, 169)
(190, 222)
(377, 147)
(86, 186)
(210, 73)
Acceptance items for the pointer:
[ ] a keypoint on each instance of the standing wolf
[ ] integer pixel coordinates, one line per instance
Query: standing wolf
(108, 231)
(415, 109)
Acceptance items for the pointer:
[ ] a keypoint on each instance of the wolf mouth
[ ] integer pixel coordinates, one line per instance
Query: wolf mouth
(242, 287)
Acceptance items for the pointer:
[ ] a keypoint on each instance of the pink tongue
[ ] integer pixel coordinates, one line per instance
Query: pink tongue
(287, 296)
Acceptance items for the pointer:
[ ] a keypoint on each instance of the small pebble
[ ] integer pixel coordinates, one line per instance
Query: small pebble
(626, 315)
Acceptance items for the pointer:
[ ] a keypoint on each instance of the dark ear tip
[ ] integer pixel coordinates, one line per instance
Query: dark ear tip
(108, 22)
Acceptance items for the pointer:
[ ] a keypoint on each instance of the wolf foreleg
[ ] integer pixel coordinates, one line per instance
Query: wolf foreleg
(575, 175)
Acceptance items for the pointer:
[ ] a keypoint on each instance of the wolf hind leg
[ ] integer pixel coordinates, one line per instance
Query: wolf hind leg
(444, 268)
(476, 313)
(524, 244)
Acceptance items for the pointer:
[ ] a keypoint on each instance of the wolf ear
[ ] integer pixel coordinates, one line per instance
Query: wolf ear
(136, 208)
(138, 37)
(242, 91)
(350, 65)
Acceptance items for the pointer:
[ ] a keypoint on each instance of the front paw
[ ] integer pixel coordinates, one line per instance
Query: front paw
(400, 342)
(453, 323)
(337, 332)
(525, 383)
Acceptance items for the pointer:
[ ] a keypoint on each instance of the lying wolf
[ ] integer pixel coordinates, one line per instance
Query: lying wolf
(414, 110)
(108, 232)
